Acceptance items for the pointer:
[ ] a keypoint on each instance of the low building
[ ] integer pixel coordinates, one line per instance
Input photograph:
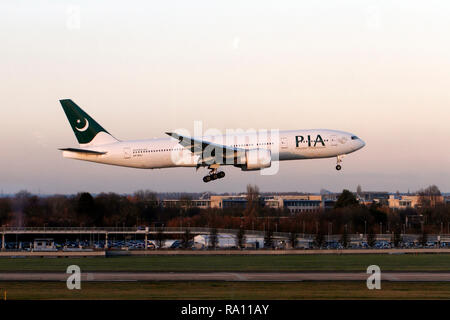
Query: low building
(293, 203)
(328, 204)
(234, 201)
(223, 241)
(369, 197)
(185, 204)
(254, 242)
(401, 202)
(447, 199)
(302, 205)
(44, 245)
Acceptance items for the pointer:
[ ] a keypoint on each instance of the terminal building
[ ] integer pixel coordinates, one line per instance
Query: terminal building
(369, 197)
(292, 203)
(401, 202)
(180, 203)
(303, 203)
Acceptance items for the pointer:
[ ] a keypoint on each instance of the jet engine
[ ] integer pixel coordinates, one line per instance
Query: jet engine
(255, 159)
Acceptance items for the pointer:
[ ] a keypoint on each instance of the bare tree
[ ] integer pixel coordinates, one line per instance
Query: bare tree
(186, 239)
(5, 211)
(293, 239)
(186, 202)
(423, 239)
(145, 196)
(344, 238)
(358, 189)
(213, 238)
(252, 201)
(160, 239)
(268, 238)
(319, 238)
(396, 237)
(371, 238)
(429, 196)
(240, 238)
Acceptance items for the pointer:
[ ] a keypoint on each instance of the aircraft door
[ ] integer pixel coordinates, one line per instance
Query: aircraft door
(126, 153)
(284, 142)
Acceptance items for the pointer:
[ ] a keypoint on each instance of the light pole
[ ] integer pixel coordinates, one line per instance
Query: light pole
(303, 228)
(328, 239)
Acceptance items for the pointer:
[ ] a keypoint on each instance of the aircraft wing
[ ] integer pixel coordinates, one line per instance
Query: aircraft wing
(197, 146)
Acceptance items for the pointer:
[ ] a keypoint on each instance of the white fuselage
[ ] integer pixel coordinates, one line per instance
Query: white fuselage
(167, 152)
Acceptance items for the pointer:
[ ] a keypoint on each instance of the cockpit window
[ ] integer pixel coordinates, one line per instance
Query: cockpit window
(354, 138)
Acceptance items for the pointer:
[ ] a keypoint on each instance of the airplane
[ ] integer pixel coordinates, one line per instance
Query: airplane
(248, 151)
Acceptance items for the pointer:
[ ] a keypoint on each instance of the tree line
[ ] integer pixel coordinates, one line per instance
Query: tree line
(143, 208)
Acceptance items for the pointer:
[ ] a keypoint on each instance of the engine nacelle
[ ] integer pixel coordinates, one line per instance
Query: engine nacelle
(256, 159)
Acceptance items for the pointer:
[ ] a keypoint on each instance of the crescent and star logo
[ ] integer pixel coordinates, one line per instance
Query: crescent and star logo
(86, 126)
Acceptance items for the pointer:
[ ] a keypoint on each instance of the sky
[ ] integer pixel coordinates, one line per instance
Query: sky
(378, 69)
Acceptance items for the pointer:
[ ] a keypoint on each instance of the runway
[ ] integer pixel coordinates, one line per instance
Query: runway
(227, 276)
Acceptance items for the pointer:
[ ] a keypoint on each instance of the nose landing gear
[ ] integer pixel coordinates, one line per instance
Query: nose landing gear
(338, 161)
(213, 175)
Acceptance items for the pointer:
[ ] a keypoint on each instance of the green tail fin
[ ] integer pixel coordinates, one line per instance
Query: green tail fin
(84, 127)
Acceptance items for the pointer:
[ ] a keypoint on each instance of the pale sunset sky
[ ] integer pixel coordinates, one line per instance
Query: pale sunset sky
(378, 69)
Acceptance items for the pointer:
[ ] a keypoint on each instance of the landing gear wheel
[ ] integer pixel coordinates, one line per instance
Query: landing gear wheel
(213, 174)
(338, 161)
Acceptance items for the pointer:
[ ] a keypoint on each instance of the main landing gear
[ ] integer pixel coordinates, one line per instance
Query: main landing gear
(338, 161)
(213, 175)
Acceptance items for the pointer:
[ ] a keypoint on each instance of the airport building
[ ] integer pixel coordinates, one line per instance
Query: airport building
(447, 199)
(176, 203)
(369, 197)
(293, 203)
(401, 202)
(302, 203)
(234, 201)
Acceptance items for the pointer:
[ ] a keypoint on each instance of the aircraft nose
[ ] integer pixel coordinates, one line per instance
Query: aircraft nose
(361, 143)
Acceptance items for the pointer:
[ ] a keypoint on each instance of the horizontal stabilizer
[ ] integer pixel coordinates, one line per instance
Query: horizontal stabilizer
(83, 151)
